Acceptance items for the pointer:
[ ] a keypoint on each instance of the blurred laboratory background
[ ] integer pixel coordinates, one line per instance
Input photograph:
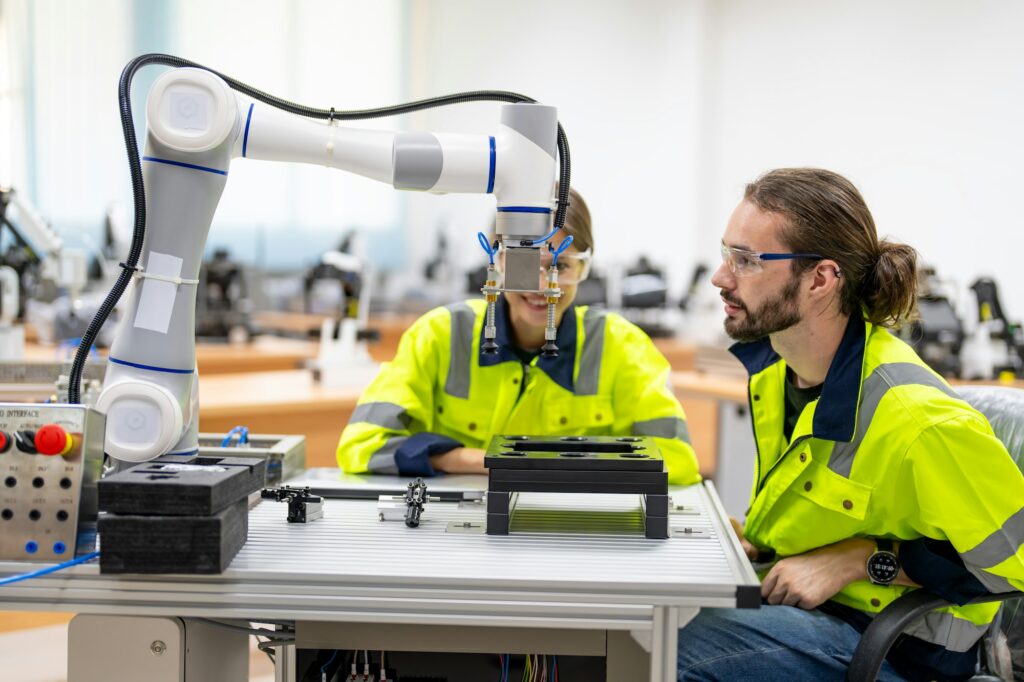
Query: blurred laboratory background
(311, 275)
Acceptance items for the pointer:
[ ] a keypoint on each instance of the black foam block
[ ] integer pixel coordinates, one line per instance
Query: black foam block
(172, 544)
(182, 486)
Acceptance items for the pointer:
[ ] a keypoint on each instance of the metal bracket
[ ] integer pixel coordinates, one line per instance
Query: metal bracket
(465, 527)
(688, 532)
(643, 638)
(683, 510)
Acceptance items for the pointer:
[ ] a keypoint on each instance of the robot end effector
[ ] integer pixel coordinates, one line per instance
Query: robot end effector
(196, 126)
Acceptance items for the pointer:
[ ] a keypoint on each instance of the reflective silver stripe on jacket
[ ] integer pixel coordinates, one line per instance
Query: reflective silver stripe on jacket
(992, 582)
(665, 427)
(999, 546)
(387, 415)
(461, 356)
(878, 383)
(589, 377)
(383, 461)
(946, 630)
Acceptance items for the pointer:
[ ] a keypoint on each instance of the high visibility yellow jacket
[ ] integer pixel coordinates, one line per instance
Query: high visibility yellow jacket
(440, 392)
(888, 450)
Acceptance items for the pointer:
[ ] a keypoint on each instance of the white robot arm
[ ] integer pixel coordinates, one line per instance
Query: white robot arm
(196, 126)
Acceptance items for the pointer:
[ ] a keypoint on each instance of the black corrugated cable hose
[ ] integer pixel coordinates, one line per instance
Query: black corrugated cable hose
(138, 191)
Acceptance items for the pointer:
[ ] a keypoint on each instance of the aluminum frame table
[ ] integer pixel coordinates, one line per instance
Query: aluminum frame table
(350, 567)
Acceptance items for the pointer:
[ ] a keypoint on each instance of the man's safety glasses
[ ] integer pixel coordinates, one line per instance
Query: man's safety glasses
(743, 262)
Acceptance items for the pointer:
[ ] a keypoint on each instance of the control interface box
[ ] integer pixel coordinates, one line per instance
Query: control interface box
(51, 457)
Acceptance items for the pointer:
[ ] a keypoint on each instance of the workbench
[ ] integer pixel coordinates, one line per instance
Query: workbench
(351, 581)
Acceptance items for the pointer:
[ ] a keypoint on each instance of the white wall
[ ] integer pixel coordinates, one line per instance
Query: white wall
(12, 93)
(624, 76)
(919, 102)
(349, 55)
(77, 51)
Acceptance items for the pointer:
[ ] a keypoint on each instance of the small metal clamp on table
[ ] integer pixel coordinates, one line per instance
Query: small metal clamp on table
(415, 498)
(408, 507)
(302, 506)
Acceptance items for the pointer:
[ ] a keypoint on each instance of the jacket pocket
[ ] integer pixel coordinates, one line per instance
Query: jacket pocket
(834, 492)
(583, 416)
(463, 421)
(805, 505)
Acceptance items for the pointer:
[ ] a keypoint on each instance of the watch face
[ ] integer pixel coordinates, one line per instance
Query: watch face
(883, 567)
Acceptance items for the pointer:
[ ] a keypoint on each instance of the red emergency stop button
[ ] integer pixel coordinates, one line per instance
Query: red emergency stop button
(51, 439)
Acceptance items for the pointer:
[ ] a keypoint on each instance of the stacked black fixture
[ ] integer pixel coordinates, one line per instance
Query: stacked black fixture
(576, 464)
(177, 514)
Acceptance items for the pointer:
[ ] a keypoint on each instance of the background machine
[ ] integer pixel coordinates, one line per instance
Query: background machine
(34, 260)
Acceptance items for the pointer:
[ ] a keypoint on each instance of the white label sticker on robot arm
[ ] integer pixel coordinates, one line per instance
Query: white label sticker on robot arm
(156, 302)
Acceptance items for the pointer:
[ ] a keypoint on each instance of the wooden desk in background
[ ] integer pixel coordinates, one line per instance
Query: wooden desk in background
(287, 402)
(262, 354)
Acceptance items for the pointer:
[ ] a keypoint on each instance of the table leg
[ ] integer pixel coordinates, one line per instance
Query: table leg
(284, 664)
(665, 640)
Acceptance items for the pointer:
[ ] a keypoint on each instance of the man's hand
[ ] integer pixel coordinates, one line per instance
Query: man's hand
(750, 550)
(810, 579)
(460, 461)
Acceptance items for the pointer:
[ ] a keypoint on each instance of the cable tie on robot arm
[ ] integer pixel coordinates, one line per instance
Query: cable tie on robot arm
(177, 281)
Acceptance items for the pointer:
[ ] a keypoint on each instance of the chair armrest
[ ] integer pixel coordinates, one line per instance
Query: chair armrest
(876, 641)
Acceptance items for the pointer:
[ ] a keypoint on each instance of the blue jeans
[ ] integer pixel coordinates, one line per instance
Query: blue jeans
(771, 643)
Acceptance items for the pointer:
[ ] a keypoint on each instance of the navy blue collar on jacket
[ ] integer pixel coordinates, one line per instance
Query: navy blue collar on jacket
(559, 368)
(835, 417)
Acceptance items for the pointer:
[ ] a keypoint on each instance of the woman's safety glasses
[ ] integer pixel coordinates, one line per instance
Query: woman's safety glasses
(573, 268)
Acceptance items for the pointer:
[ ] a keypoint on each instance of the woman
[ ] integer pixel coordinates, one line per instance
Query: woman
(437, 405)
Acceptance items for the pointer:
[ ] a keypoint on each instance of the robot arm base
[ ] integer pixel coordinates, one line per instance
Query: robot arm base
(143, 420)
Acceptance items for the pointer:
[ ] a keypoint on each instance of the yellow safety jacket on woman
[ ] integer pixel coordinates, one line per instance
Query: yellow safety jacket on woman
(440, 392)
(888, 450)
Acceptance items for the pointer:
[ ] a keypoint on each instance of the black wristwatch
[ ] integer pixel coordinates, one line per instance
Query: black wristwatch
(883, 565)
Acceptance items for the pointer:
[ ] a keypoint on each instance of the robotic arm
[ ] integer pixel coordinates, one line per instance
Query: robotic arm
(196, 126)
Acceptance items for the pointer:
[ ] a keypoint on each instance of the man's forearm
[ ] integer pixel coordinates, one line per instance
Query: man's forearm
(858, 551)
(808, 580)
